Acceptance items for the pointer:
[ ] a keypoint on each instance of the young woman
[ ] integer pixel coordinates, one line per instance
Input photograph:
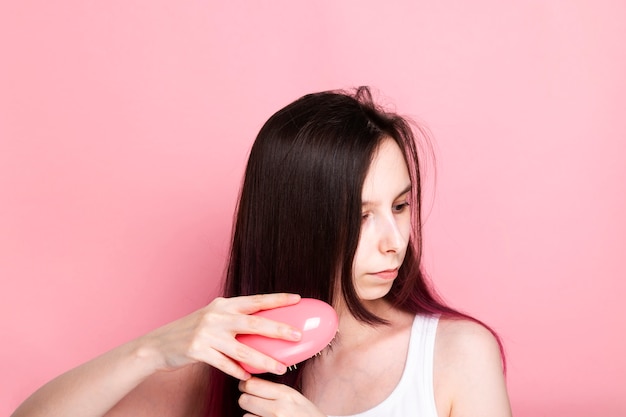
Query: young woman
(329, 209)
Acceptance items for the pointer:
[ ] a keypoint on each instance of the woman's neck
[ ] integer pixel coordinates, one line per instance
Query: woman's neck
(353, 332)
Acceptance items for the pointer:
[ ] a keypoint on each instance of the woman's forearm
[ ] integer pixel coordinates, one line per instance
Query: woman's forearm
(95, 387)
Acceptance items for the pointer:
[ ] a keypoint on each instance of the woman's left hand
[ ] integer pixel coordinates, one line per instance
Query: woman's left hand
(263, 398)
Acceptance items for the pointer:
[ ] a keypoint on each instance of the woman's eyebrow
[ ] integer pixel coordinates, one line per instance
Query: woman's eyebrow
(404, 191)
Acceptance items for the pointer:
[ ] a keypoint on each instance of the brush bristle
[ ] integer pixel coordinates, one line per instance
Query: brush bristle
(329, 345)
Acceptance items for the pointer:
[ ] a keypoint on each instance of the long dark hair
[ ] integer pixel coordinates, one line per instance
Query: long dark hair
(298, 218)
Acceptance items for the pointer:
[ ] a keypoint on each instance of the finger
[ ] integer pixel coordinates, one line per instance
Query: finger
(232, 314)
(262, 388)
(224, 363)
(244, 353)
(254, 324)
(249, 304)
(255, 405)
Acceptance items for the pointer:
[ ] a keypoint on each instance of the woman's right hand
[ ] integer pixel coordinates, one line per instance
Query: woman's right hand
(208, 335)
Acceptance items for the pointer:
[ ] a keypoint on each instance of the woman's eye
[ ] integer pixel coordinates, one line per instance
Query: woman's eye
(398, 208)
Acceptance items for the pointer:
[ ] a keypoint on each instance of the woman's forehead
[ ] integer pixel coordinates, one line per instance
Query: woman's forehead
(388, 174)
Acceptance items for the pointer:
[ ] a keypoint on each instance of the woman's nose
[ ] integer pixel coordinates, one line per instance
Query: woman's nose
(391, 239)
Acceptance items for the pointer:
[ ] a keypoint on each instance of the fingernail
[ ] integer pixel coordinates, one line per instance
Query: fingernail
(280, 369)
(296, 334)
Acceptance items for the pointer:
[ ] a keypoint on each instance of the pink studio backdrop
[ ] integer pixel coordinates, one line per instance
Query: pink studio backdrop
(125, 126)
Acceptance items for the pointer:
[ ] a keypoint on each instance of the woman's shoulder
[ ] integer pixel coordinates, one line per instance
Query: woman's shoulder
(468, 369)
(461, 339)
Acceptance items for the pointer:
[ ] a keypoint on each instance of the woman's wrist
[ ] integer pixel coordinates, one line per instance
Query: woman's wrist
(145, 357)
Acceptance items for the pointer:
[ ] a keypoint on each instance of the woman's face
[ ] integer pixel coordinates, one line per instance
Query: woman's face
(386, 223)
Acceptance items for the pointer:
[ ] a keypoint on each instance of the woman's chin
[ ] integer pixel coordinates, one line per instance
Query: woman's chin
(372, 295)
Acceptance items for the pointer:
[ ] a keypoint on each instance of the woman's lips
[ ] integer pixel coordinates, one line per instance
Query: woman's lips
(387, 274)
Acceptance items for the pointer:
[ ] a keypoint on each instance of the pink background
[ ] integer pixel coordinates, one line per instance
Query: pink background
(125, 125)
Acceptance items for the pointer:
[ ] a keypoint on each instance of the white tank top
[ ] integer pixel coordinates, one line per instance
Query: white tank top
(414, 395)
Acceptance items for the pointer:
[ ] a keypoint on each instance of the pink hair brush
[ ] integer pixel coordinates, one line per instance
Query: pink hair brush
(317, 321)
